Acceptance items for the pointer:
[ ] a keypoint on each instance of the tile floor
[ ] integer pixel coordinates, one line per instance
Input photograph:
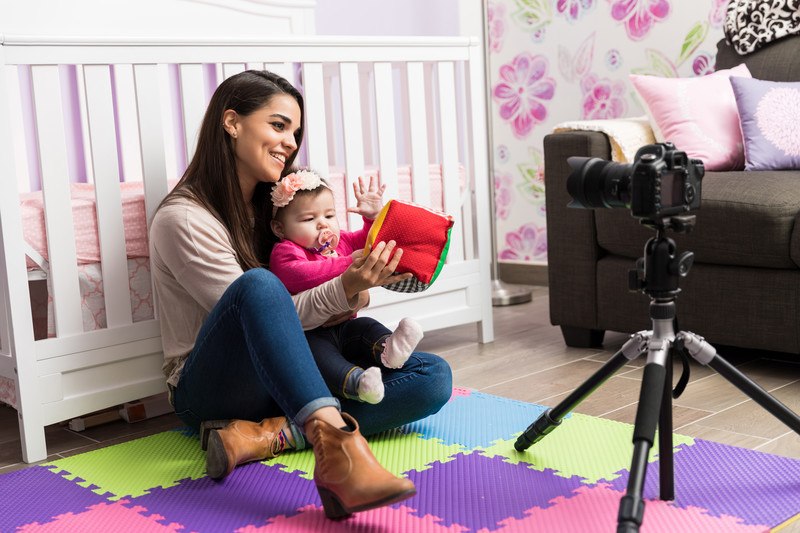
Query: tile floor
(528, 361)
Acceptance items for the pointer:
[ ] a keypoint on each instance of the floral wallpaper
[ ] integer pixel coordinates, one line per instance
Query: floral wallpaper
(556, 60)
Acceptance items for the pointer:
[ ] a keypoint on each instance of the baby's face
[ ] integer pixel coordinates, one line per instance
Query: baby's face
(310, 221)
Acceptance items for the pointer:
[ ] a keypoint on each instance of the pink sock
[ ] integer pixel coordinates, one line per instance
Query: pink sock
(370, 385)
(401, 343)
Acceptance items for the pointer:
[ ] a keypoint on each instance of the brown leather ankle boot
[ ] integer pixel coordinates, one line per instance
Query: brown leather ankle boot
(242, 441)
(348, 477)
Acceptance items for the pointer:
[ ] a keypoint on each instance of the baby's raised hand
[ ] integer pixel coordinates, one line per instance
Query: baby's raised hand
(369, 201)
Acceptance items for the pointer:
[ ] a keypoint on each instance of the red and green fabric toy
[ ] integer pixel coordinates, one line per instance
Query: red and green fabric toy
(424, 236)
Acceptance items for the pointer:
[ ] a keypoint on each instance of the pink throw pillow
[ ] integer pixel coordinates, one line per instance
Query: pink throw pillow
(698, 115)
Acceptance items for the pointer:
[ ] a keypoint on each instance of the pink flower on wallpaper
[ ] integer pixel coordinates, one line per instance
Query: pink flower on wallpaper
(703, 64)
(602, 98)
(497, 26)
(528, 243)
(639, 15)
(502, 195)
(523, 85)
(717, 14)
(573, 9)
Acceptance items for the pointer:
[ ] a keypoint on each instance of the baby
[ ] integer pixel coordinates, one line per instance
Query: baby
(313, 250)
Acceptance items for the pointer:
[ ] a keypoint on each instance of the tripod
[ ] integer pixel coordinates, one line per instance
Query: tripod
(657, 276)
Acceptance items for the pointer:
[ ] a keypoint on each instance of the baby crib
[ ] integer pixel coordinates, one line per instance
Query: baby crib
(80, 182)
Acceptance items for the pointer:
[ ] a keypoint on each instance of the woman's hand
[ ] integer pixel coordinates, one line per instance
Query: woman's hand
(373, 270)
(369, 202)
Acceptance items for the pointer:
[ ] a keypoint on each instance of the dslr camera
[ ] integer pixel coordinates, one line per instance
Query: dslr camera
(661, 182)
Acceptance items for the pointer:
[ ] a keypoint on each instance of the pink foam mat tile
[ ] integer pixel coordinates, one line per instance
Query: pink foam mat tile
(103, 518)
(385, 519)
(594, 509)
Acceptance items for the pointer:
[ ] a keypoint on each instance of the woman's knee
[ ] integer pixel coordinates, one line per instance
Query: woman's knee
(439, 378)
(259, 283)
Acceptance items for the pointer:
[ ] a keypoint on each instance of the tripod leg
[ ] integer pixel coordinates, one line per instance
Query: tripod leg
(550, 419)
(665, 454)
(704, 353)
(631, 507)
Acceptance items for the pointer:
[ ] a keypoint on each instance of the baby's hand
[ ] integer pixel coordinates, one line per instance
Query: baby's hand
(369, 202)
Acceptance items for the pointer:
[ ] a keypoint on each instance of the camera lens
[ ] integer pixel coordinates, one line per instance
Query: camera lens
(595, 182)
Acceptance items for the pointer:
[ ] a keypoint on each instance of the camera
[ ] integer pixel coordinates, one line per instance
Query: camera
(661, 182)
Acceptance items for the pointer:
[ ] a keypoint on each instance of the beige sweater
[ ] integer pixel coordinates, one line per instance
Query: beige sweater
(192, 262)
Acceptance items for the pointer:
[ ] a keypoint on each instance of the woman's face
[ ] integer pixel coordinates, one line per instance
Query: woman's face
(308, 219)
(264, 140)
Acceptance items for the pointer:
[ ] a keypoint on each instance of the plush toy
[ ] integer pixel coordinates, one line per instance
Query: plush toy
(424, 236)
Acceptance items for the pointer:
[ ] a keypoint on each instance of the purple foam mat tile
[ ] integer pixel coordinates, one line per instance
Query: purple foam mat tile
(478, 492)
(36, 494)
(251, 494)
(757, 487)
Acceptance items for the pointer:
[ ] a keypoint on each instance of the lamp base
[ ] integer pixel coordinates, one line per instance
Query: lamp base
(506, 294)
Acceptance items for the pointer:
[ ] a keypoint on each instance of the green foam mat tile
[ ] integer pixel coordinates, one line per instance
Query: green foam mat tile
(131, 468)
(586, 446)
(398, 452)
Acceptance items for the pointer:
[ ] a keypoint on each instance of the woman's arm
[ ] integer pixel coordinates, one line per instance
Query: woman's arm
(194, 247)
(315, 306)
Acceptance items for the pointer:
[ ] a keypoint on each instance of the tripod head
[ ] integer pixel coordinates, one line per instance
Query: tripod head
(658, 271)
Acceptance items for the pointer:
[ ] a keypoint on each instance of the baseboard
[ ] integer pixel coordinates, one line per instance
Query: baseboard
(522, 274)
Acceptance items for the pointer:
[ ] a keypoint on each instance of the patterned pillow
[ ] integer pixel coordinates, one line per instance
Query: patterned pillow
(424, 236)
(769, 113)
(697, 114)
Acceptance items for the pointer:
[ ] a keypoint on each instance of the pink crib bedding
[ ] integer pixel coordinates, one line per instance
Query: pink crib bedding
(84, 215)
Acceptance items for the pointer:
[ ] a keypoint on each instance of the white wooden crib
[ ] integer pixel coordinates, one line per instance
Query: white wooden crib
(413, 110)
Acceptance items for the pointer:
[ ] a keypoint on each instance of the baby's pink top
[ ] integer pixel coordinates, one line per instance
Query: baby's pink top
(300, 269)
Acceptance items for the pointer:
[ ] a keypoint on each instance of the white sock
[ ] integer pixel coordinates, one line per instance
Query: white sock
(401, 343)
(370, 385)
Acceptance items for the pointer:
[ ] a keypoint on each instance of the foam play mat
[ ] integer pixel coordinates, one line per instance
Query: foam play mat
(469, 478)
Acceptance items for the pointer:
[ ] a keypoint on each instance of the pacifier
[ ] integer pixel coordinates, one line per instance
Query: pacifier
(328, 241)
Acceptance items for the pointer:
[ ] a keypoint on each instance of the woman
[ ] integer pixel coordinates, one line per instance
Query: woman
(233, 337)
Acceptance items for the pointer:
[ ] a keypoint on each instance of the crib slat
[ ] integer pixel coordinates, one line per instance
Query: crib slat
(353, 136)
(20, 150)
(56, 193)
(449, 143)
(281, 69)
(102, 136)
(481, 180)
(152, 136)
(420, 183)
(194, 104)
(316, 126)
(131, 162)
(229, 69)
(387, 143)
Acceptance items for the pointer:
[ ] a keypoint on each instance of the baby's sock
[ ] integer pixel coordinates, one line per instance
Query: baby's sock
(370, 385)
(401, 343)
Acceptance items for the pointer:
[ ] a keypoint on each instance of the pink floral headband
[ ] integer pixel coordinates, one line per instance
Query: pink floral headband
(283, 192)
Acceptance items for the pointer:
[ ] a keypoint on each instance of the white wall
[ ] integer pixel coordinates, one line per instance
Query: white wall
(387, 17)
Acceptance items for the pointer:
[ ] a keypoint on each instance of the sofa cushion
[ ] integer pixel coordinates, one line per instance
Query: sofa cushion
(777, 61)
(697, 114)
(769, 115)
(746, 218)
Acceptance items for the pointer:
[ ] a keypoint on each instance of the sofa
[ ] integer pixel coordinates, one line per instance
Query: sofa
(743, 289)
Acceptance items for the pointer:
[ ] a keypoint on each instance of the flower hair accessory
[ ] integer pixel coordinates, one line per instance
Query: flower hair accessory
(283, 192)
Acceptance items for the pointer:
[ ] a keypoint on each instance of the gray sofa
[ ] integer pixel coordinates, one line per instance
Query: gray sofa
(744, 287)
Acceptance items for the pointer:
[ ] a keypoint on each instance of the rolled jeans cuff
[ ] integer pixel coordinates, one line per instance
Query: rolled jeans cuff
(302, 415)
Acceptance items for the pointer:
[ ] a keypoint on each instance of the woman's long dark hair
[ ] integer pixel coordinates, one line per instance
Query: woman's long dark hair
(211, 178)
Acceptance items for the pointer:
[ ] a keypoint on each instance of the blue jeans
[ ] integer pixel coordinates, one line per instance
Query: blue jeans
(343, 352)
(251, 361)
